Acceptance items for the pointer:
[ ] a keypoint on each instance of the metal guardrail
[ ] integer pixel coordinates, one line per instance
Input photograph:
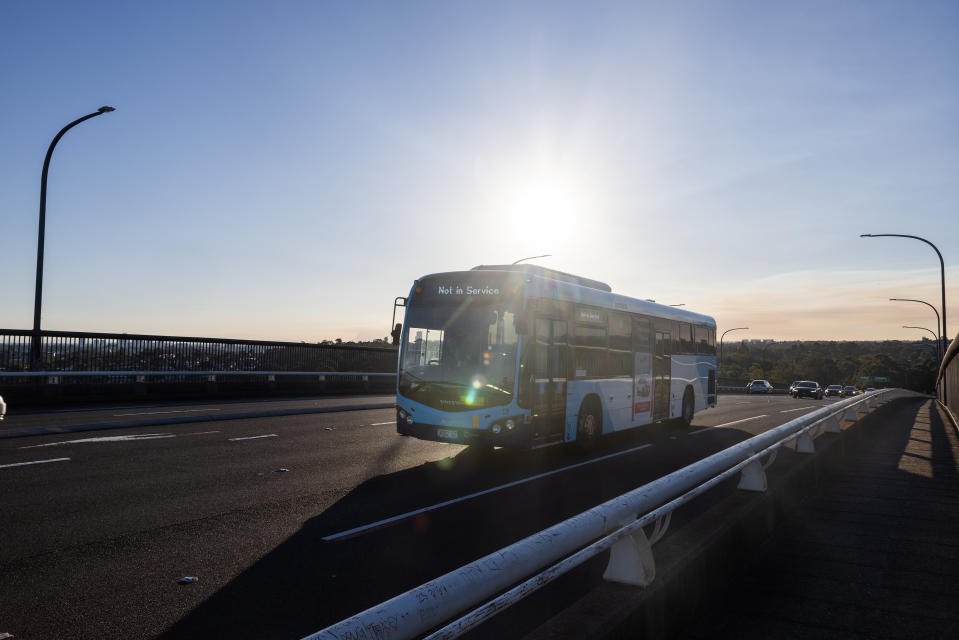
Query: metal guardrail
(617, 524)
(948, 377)
(71, 352)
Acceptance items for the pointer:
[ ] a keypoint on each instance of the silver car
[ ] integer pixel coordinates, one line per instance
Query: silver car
(759, 386)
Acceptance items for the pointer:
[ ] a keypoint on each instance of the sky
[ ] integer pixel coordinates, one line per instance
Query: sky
(284, 170)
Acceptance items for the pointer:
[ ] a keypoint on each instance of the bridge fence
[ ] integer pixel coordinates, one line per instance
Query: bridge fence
(80, 365)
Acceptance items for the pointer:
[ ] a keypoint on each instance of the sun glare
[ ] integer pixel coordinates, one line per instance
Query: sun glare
(547, 208)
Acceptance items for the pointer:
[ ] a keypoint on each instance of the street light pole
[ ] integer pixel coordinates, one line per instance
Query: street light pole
(35, 341)
(939, 339)
(721, 344)
(547, 255)
(906, 326)
(942, 280)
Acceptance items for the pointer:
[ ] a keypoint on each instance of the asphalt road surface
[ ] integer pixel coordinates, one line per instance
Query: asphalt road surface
(293, 523)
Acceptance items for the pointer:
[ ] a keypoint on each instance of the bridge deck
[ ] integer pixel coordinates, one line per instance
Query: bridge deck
(876, 555)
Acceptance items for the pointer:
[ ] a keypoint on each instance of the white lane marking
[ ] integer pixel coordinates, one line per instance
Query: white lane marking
(23, 464)
(377, 424)
(154, 413)
(375, 525)
(738, 421)
(692, 433)
(799, 409)
(130, 438)
(269, 435)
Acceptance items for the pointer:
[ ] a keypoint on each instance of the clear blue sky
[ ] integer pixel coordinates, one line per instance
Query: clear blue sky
(284, 170)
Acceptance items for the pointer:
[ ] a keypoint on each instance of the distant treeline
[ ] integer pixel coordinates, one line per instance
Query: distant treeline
(910, 365)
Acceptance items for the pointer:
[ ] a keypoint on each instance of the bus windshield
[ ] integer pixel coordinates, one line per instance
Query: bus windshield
(457, 356)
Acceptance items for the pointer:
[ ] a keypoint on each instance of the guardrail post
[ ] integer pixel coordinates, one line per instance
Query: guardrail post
(631, 557)
(804, 444)
(850, 414)
(753, 477)
(832, 424)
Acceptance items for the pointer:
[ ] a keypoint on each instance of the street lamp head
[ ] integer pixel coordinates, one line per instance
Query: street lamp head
(105, 109)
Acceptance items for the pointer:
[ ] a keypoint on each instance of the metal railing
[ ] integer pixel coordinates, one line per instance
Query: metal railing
(71, 352)
(617, 524)
(948, 378)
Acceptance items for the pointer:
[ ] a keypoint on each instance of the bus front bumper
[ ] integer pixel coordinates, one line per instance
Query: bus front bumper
(519, 437)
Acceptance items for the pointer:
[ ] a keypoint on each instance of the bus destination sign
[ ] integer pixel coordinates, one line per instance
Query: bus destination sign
(453, 287)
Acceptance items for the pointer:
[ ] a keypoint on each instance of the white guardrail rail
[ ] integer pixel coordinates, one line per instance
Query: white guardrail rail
(616, 524)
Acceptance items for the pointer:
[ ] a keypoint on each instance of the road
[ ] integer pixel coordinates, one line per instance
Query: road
(292, 523)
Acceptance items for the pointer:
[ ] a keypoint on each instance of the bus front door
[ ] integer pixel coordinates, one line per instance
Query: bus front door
(550, 365)
(661, 376)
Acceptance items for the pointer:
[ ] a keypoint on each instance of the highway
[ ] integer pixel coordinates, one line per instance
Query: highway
(292, 523)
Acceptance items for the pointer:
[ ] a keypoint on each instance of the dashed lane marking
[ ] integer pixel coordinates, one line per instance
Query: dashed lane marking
(799, 409)
(739, 421)
(23, 464)
(268, 435)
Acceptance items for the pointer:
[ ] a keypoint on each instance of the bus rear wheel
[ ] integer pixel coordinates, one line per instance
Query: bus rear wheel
(689, 408)
(589, 426)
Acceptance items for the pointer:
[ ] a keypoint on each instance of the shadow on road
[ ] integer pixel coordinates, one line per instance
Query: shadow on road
(306, 583)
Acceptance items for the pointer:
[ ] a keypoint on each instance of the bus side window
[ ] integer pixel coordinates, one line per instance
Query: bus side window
(620, 346)
(589, 351)
(702, 340)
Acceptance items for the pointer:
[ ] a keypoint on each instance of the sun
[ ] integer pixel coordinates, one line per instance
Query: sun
(546, 207)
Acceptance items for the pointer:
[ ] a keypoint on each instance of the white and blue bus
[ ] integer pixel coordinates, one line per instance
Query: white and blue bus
(523, 356)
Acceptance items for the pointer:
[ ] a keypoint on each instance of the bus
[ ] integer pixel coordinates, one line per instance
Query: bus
(525, 356)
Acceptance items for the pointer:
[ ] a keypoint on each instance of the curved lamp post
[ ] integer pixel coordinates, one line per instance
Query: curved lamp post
(906, 326)
(942, 280)
(721, 343)
(939, 339)
(35, 342)
(546, 255)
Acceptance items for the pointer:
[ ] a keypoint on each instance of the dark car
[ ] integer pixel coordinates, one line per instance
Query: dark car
(807, 389)
(848, 392)
(834, 390)
(759, 386)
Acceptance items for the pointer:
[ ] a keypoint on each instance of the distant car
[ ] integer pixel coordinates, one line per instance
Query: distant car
(759, 386)
(848, 392)
(868, 389)
(3, 408)
(833, 390)
(807, 388)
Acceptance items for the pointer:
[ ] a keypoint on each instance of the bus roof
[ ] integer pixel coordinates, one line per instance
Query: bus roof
(548, 283)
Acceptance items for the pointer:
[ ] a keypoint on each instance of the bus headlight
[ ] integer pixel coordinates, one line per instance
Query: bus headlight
(402, 414)
(510, 424)
(409, 419)
(496, 429)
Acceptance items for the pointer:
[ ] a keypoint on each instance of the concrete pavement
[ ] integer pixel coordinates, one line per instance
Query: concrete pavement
(874, 555)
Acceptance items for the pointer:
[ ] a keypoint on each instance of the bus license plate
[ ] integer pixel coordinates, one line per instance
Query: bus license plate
(447, 433)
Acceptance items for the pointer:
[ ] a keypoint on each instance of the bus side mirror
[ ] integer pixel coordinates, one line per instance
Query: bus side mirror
(397, 330)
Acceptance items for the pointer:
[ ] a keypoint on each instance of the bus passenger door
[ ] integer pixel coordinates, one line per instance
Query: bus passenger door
(550, 366)
(661, 376)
